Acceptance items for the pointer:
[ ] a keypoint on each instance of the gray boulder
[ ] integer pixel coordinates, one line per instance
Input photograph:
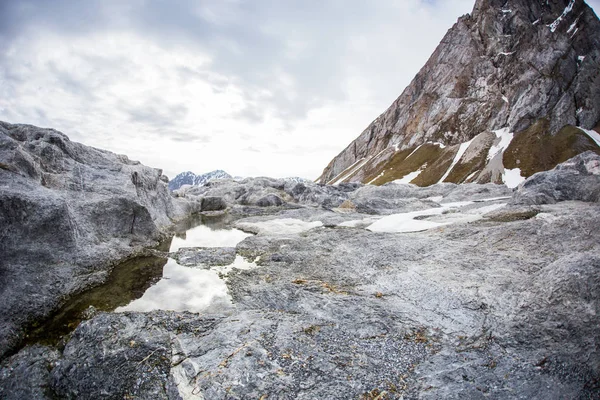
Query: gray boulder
(270, 200)
(575, 179)
(69, 212)
(213, 203)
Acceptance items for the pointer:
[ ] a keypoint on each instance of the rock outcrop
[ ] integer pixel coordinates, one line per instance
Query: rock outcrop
(478, 298)
(576, 179)
(68, 212)
(501, 98)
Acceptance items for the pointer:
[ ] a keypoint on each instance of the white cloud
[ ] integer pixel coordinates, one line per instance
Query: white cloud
(254, 88)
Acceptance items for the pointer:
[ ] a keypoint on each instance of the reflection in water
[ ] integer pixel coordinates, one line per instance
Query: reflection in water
(128, 281)
(194, 289)
(173, 287)
(184, 289)
(203, 236)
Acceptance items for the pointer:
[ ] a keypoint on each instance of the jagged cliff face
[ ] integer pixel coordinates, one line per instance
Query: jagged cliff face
(502, 97)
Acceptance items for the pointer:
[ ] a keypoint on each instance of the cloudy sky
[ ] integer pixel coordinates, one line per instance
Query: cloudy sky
(254, 87)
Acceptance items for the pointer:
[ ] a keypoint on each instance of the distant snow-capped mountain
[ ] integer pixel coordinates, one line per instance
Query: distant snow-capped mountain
(190, 178)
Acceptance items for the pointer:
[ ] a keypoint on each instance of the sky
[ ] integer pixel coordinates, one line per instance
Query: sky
(254, 87)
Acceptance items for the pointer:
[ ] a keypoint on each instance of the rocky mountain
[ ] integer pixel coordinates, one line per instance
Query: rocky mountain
(189, 178)
(68, 213)
(512, 89)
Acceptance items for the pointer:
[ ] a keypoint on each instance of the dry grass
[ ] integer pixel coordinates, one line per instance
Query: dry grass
(534, 149)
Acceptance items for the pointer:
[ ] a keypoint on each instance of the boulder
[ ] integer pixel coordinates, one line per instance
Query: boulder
(270, 200)
(69, 212)
(575, 179)
(213, 203)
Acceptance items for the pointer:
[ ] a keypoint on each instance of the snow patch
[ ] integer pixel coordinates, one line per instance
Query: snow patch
(512, 177)
(461, 150)
(349, 171)
(283, 226)
(505, 99)
(408, 178)
(553, 26)
(377, 177)
(414, 151)
(595, 136)
(573, 25)
(471, 175)
(440, 145)
(406, 222)
(505, 138)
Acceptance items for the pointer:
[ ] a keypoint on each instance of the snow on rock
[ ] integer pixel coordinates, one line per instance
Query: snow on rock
(348, 171)
(505, 137)
(512, 177)
(595, 136)
(554, 25)
(377, 177)
(461, 150)
(283, 226)
(409, 177)
(407, 222)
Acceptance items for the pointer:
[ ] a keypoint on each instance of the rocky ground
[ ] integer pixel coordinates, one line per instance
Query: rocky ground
(498, 297)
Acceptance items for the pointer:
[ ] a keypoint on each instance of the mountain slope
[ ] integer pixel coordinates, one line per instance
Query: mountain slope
(499, 99)
(189, 178)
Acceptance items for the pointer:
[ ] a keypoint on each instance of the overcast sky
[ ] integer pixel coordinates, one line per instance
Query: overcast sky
(254, 87)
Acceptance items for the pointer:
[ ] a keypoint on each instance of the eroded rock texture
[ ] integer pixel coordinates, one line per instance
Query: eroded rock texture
(505, 89)
(67, 212)
(497, 299)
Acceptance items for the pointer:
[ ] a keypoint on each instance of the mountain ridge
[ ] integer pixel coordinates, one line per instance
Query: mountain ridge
(529, 67)
(190, 178)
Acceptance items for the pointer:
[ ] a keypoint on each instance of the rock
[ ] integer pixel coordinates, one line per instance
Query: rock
(204, 256)
(500, 307)
(129, 360)
(576, 179)
(68, 213)
(489, 90)
(27, 375)
(213, 203)
(271, 200)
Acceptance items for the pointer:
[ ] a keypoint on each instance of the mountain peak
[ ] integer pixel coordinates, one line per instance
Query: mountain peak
(190, 178)
(514, 75)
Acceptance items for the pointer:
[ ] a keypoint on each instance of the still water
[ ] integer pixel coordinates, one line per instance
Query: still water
(191, 288)
(153, 283)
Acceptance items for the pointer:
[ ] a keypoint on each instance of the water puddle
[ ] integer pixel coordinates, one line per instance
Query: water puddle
(128, 281)
(152, 283)
(195, 289)
(183, 289)
(204, 236)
